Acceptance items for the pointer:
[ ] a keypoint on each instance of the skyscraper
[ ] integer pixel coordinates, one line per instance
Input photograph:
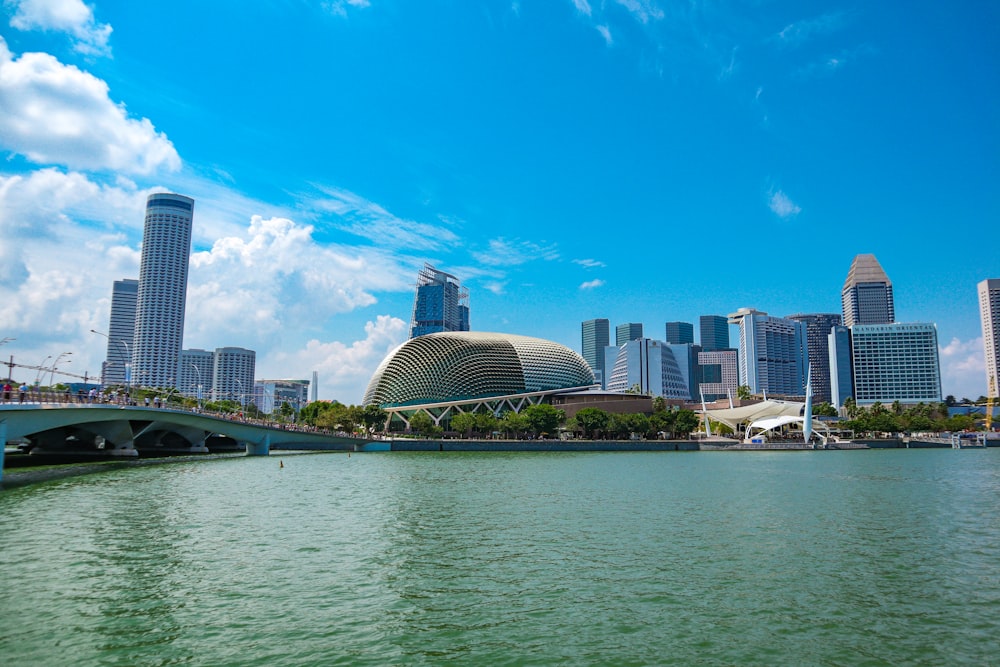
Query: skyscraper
(989, 313)
(440, 304)
(818, 326)
(626, 332)
(867, 293)
(163, 272)
(841, 379)
(232, 374)
(679, 333)
(895, 362)
(121, 331)
(772, 353)
(649, 366)
(595, 335)
(194, 377)
(714, 332)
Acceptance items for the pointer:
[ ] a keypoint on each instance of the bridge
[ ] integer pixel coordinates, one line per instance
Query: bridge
(125, 431)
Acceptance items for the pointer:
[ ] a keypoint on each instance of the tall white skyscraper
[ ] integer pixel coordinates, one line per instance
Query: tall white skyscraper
(163, 272)
(121, 330)
(989, 313)
(867, 293)
(773, 353)
(233, 374)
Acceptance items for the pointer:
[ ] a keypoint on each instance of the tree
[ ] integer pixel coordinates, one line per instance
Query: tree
(950, 401)
(373, 418)
(513, 423)
(421, 423)
(618, 426)
(463, 422)
(286, 410)
(663, 422)
(824, 410)
(486, 422)
(659, 404)
(543, 418)
(685, 422)
(591, 421)
(743, 392)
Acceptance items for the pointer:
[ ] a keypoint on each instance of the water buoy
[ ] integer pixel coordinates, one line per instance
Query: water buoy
(281, 464)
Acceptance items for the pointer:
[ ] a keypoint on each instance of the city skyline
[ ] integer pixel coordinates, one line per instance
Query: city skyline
(533, 150)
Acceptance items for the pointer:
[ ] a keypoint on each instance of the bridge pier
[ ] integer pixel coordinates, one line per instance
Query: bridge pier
(262, 448)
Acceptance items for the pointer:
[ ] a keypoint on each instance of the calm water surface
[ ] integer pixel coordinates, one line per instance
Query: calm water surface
(823, 558)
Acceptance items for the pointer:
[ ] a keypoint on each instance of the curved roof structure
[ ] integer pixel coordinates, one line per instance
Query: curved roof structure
(461, 365)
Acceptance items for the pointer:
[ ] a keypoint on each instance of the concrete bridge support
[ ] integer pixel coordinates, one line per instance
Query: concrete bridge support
(262, 448)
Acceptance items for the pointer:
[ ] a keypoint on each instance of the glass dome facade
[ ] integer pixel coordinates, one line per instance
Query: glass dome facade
(461, 365)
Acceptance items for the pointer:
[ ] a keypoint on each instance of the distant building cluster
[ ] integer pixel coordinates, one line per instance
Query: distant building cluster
(146, 329)
(862, 353)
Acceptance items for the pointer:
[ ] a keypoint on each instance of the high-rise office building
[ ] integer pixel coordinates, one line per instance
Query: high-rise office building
(720, 375)
(895, 362)
(270, 395)
(440, 303)
(626, 332)
(867, 293)
(121, 332)
(989, 313)
(818, 327)
(648, 366)
(772, 353)
(232, 374)
(839, 353)
(163, 272)
(595, 335)
(714, 331)
(679, 333)
(195, 374)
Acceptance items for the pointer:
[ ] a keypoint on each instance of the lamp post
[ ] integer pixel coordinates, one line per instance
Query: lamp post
(198, 395)
(242, 392)
(52, 371)
(126, 362)
(41, 370)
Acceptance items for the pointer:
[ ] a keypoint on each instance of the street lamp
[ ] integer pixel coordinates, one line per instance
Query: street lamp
(55, 363)
(198, 371)
(126, 362)
(41, 370)
(242, 392)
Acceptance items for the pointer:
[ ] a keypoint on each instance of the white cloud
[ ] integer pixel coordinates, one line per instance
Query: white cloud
(503, 252)
(496, 287)
(605, 33)
(57, 114)
(339, 7)
(343, 369)
(592, 284)
(275, 273)
(642, 10)
(590, 263)
(798, 32)
(783, 206)
(369, 220)
(582, 6)
(69, 16)
(963, 368)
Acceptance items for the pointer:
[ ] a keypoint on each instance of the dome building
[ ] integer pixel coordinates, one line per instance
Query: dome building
(465, 371)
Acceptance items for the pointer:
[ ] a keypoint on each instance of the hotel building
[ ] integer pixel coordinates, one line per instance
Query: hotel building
(895, 362)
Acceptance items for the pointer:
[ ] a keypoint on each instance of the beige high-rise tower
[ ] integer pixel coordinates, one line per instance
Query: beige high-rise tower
(867, 293)
(989, 313)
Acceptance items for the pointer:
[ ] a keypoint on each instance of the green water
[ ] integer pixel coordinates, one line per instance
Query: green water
(804, 558)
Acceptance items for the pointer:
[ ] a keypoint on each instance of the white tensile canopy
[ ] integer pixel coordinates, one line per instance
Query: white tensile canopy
(733, 417)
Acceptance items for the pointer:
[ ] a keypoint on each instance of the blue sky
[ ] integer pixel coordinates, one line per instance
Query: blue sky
(637, 160)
